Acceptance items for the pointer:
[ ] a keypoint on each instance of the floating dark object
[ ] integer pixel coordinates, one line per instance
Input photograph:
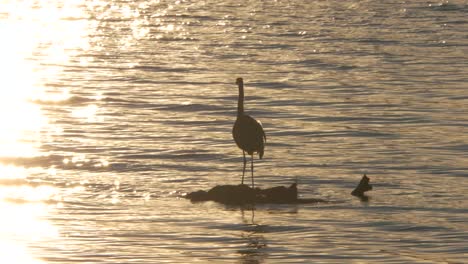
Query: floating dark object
(362, 187)
(243, 194)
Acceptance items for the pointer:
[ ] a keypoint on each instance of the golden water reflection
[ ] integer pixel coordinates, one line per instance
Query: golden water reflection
(22, 222)
(38, 38)
(20, 119)
(13, 253)
(24, 206)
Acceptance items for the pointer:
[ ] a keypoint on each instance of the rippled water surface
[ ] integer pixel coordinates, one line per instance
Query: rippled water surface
(110, 110)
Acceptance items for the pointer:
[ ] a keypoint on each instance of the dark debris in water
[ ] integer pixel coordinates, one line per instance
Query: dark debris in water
(243, 194)
(362, 187)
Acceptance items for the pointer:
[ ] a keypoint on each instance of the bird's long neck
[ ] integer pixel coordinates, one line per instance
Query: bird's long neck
(240, 102)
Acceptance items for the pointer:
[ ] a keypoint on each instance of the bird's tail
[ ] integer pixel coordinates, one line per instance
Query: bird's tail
(261, 151)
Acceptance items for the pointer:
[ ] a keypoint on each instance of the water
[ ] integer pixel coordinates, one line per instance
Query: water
(110, 110)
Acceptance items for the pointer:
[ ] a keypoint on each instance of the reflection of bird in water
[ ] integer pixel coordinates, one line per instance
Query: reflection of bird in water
(247, 132)
(253, 236)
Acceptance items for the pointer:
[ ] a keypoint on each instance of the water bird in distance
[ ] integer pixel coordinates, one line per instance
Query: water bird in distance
(247, 132)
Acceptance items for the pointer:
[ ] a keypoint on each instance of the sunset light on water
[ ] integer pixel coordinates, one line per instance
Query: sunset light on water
(112, 111)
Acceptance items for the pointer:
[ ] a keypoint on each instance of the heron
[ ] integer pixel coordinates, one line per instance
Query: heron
(247, 133)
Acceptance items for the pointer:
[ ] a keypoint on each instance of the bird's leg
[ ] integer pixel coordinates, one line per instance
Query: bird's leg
(243, 170)
(252, 168)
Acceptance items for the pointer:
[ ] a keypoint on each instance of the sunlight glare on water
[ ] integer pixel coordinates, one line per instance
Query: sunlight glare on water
(21, 224)
(23, 208)
(20, 119)
(30, 31)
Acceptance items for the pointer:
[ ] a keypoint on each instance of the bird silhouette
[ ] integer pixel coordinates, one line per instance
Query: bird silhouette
(247, 132)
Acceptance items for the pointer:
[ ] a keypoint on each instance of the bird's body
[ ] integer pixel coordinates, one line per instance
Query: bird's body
(249, 135)
(247, 132)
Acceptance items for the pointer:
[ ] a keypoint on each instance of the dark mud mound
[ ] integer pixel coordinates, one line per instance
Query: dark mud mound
(243, 194)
